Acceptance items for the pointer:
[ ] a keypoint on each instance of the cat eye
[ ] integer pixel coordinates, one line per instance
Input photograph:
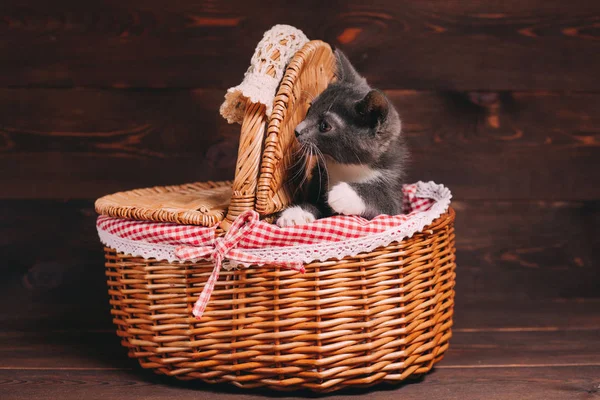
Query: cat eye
(324, 126)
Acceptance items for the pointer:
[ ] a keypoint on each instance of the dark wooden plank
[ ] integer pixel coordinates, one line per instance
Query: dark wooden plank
(519, 348)
(123, 124)
(527, 251)
(63, 349)
(538, 260)
(80, 143)
(504, 146)
(510, 314)
(510, 45)
(52, 267)
(86, 143)
(549, 383)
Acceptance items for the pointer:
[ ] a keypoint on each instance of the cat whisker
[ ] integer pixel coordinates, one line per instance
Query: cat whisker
(297, 157)
(305, 164)
(300, 168)
(310, 96)
(331, 105)
(299, 149)
(321, 157)
(318, 152)
(300, 155)
(339, 73)
(357, 157)
(303, 170)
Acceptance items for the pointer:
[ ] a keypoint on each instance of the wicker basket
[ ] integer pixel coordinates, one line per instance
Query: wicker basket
(375, 317)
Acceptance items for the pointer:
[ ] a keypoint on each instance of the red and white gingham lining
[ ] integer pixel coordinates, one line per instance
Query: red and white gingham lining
(331, 229)
(248, 232)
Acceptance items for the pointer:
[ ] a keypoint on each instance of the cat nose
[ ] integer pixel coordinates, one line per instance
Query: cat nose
(299, 128)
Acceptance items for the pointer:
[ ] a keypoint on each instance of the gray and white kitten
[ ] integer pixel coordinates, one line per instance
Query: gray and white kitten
(355, 132)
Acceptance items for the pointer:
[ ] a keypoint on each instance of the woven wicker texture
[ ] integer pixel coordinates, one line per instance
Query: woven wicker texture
(249, 153)
(307, 75)
(201, 203)
(382, 316)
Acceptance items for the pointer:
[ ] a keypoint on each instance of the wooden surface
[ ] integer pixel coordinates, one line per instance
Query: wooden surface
(500, 101)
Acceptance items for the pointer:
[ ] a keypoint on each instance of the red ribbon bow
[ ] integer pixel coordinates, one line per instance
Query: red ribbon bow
(226, 247)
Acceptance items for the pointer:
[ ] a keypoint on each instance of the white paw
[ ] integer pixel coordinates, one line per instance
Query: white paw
(295, 216)
(344, 200)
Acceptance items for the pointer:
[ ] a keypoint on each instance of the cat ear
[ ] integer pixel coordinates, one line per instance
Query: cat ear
(374, 107)
(345, 70)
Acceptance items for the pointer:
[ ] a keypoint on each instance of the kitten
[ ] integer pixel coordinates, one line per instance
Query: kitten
(355, 132)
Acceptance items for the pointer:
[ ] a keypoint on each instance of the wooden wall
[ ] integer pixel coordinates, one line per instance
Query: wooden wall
(500, 102)
(499, 99)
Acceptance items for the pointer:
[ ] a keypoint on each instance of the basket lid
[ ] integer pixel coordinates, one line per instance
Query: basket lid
(201, 203)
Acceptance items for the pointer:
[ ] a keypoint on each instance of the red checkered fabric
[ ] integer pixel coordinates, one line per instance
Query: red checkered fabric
(262, 234)
(249, 232)
(226, 247)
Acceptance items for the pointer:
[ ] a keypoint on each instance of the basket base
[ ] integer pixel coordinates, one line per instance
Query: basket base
(280, 386)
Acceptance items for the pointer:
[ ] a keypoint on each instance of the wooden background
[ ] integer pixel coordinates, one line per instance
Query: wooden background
(500, 102)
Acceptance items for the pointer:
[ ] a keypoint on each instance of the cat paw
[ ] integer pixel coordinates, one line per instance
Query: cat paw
(344, 200)
(295, 216)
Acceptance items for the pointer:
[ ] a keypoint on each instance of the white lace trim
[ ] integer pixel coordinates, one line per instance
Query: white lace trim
(315, 252)
(137, 248)
(257, 85)
(337, 250)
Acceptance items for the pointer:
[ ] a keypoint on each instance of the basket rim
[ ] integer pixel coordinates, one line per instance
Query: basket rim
(321, 247)
(104, 206)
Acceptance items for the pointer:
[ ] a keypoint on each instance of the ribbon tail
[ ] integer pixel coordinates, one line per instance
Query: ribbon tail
(202, 301)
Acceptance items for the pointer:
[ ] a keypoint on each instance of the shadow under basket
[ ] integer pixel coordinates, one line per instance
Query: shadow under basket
(380, 316)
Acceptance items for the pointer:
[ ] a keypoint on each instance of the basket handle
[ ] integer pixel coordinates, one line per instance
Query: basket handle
(309, 72)
(252, 136)
(243, 196)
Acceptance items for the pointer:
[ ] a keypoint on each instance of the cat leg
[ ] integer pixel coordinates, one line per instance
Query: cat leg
(343, 199)
(365, 199)
(298, 215)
